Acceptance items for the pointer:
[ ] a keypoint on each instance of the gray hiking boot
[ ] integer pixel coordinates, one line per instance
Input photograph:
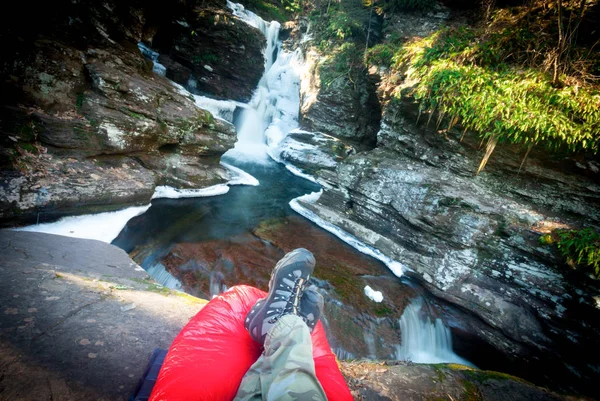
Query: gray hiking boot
(286, 287)
(311, 307)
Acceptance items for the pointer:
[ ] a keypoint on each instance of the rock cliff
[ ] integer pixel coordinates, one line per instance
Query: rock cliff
(473, 240)
(87, 124)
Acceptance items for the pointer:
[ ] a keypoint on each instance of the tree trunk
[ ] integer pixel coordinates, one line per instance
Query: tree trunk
(368, 31)
(560, 45)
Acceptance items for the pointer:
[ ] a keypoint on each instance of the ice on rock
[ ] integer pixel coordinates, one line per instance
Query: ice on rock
(396, 267)
(101, 226)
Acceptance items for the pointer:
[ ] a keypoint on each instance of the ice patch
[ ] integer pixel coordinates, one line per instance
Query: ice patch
(242, 177)
(376, 296)
(297, 172)
(165, 191)
(222, 109)
(102, 226)
(396, 267)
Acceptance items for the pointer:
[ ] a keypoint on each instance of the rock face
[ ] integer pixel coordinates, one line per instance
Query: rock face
(213, 53)
(396, 382)
(474, 241)
(85, 122)
(343, 108)
(312, 151)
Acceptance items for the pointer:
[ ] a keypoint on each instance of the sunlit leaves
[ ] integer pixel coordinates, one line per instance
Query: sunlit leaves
(513, 105)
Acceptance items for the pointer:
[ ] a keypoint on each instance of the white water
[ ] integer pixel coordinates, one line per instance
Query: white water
(159, 273)
(157, 67)
(273, 111)
(424, 341)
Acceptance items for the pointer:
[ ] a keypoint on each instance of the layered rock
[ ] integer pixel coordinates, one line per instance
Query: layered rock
(88, 125)
(213, 53)
(474, 241)
(313, 151)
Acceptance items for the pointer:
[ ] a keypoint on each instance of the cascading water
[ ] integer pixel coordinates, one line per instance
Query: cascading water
(273, 110)
(424, 341)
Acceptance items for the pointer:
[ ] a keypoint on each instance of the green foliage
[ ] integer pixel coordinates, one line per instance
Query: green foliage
(501, 101)
(336, 23)
(546, 239)
(344, 63)
(582, 247)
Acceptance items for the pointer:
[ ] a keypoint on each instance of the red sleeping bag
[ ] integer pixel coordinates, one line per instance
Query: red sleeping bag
(213, 352)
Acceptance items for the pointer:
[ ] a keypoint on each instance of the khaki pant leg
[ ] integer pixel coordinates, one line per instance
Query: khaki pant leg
(286, 370)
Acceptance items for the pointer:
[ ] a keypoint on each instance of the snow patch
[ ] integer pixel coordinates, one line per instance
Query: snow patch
(376, 296)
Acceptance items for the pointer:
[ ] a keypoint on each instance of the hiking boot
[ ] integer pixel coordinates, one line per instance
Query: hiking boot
(288, 281)
(311, 307)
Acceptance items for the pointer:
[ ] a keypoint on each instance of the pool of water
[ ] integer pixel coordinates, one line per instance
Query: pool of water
(171, 221)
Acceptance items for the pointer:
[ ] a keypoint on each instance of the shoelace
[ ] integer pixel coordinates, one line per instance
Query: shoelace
(291, 307)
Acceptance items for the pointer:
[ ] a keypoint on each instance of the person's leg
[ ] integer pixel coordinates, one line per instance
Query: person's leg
(282, 323)
(286, 370)
(250, 388)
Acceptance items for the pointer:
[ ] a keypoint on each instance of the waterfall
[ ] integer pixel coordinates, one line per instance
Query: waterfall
(273, 110)
(158, 272)
(157, 67)
(424, 341)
